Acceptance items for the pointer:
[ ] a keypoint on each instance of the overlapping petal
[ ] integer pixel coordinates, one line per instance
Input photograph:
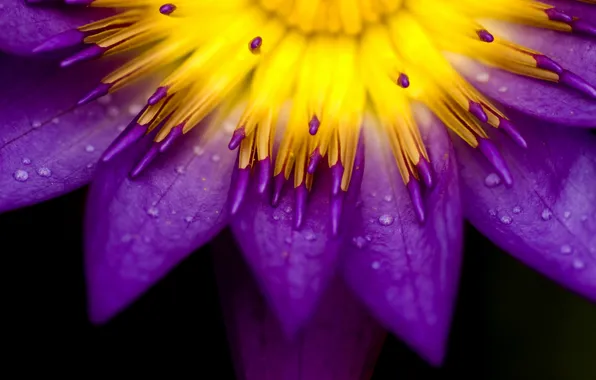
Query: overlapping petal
(48, 147)
(293, 266)
(341, 342)
(139, 229)
(404, 271)
(24, 26)
(547, 219)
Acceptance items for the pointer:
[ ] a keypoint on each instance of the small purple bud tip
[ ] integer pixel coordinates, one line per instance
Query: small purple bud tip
(485, 36)
(313, 125)
(239, 189)
(255, 44)
(237, 138)
(159, 94)
(403, 81)
(167, 9)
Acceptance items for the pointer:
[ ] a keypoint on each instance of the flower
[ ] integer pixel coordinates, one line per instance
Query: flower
(372, 93)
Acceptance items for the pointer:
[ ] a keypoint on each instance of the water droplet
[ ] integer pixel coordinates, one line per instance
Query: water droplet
(503, 89)
(215, 158)
(546, 214)
(517, 210)
(359, 241)
(198, 150)
(566, 249)
(188, 219)
(387, 198)
(385, 220)
(375, 265)
(89, 149)
(89, 166)
(506, 219)
(374, 194)
(492, 212)
(567, 214)
(44, 172)
(180, 169)
(56, 120)
(492, 180)
(275, 217)
(584, 218)
(121, 128)
(309, 236)
(578, 264)
(482, 77)
(368, 238)
(26, 161)
(154, 212)
(288, 209)
(21, 175)
(113, 111)
(36, 124)
(173, 212)
(288, 240)
(134, 109)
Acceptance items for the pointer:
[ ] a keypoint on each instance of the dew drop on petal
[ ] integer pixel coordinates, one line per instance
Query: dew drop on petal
(56, 120)
(385, 220)
(288, 209)
(546, 214)
(26, 161)
(21, 175)
(375, 265)
(113, 111)
(506, 219)
(152, 211)
(567, 214)
(188, 219)
(566, 249)
(44, 172)
(492, 180)
(517, 210)
(198, 150)
(584, 218)
(368, 238)
(309, 236)
(387, 198)
(288, 240)
(180, 169)
(492, 212)
(89, 149)
(483, 77)
(36, 124)
(134, 109)
(578, 264)
(359, 242)
(215, 158)
(503, 89)
(275, 217)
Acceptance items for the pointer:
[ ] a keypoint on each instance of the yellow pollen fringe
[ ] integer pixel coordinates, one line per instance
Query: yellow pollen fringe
(331, 61)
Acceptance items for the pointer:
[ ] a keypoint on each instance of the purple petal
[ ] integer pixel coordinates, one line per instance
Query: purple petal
(47, 147)
(552, 102)
(404, 271)
(293, 266)
(548, 218)
(341, 342)
(23, 27)
(137, 230)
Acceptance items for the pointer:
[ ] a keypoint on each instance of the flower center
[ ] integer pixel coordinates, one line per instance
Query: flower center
(317, 68)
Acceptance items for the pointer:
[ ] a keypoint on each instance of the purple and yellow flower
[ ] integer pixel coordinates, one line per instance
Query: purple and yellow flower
(344, 142)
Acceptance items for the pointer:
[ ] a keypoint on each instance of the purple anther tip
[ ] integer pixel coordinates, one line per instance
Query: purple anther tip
(416, 196)
(239, 189)
(313, 125)
(478, 112)
(403, 80)
(492, 154)
(544, 62)
(425, 172)
(128, 137)
(255, 44)
(301, 194)
(172, 136)
(556, 15)
(512, 132)
(278, 184)
(578, 83)
(99, 91)
(93, 51)
(337, 202)
(485, 36)
(337, 172)
(145, 161)
(237, 138)
(159, 94)
(583, 27)
(167, 9)
(60, 41)
(315, 159)
(264, 170)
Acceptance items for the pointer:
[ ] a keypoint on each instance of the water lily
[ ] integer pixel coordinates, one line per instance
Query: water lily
(344, 142)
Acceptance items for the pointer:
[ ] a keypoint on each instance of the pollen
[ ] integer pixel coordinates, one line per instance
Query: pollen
(306, 73)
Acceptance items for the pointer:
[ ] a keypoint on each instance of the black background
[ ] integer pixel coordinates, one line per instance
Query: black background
(510, 322)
